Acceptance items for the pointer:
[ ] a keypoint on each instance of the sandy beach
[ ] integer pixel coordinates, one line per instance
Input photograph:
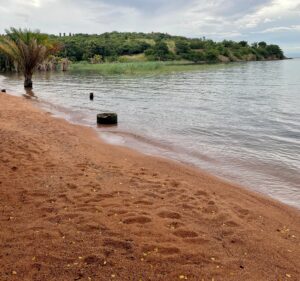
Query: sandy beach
(75, 208)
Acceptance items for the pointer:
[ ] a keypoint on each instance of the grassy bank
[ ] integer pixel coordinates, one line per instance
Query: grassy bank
(136, 68)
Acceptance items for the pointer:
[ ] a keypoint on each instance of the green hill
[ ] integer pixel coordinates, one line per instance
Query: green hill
(116, 46)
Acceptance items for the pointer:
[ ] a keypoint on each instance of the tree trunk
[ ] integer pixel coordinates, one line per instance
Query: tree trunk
(28, 82)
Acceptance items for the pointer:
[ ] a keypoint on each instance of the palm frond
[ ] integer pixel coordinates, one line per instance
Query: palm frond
(27, 48)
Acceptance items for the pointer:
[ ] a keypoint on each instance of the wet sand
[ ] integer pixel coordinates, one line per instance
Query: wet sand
(75, 208)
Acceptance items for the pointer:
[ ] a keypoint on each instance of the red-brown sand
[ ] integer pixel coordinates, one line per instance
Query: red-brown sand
(75, 208)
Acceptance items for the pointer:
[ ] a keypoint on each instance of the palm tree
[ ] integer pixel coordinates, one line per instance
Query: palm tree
(27, 49)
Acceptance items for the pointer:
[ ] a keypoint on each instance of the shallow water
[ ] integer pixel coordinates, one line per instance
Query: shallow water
(239, 121)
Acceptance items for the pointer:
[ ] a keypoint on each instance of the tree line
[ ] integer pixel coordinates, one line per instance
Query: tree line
(159, 46)
(119, 46)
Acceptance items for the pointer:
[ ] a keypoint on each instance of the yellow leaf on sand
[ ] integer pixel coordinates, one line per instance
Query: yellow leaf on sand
(288, 275)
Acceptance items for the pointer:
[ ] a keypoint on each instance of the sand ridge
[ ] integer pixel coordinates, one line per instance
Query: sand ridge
(75, 208)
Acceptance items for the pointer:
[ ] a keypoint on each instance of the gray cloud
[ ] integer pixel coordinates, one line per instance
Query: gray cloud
(274, 21)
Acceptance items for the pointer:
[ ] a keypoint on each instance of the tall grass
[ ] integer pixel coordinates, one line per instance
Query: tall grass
(135, 68)
(119, 68)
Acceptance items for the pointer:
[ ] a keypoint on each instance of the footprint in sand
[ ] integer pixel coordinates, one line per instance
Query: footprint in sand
(72, 186)
(201, 193)
(242, 212)
(169, 215)
(143, 202)
(175, 225)
(94, 260)
(168, 250)
(185, 233)
(65, 198)
(91, 227)
(187, 206)
(118, 244)
(49, 210)
(56, 219)
(38, 194)
(175, 183)
(210, 209)
(231, 224)
(98, 198)
(139, 220)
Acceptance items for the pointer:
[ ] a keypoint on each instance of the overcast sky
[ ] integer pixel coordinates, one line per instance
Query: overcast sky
(274, 21)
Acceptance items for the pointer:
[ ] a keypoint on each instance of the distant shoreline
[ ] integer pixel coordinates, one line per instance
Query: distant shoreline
(149, 66)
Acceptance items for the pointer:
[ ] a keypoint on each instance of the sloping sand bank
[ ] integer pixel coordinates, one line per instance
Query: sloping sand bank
(75, 208)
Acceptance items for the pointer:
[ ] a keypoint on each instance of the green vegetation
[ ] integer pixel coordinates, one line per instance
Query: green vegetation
(98, 51)
(114, 46)
(137, 68)
(26, 50)
(118, 68)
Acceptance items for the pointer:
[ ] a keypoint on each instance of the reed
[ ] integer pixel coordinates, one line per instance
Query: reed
(135, 68)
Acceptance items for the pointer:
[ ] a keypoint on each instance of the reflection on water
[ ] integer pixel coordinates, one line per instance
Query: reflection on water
(29, 94)
(239, 121)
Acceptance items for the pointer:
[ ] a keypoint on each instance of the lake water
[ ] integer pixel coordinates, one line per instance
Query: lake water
(238, 121)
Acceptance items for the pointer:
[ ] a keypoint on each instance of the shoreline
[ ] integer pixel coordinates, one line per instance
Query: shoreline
(150, 148)
(80, 208)
(153, 148)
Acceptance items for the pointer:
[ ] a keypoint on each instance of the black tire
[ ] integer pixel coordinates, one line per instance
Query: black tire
(107, 119)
